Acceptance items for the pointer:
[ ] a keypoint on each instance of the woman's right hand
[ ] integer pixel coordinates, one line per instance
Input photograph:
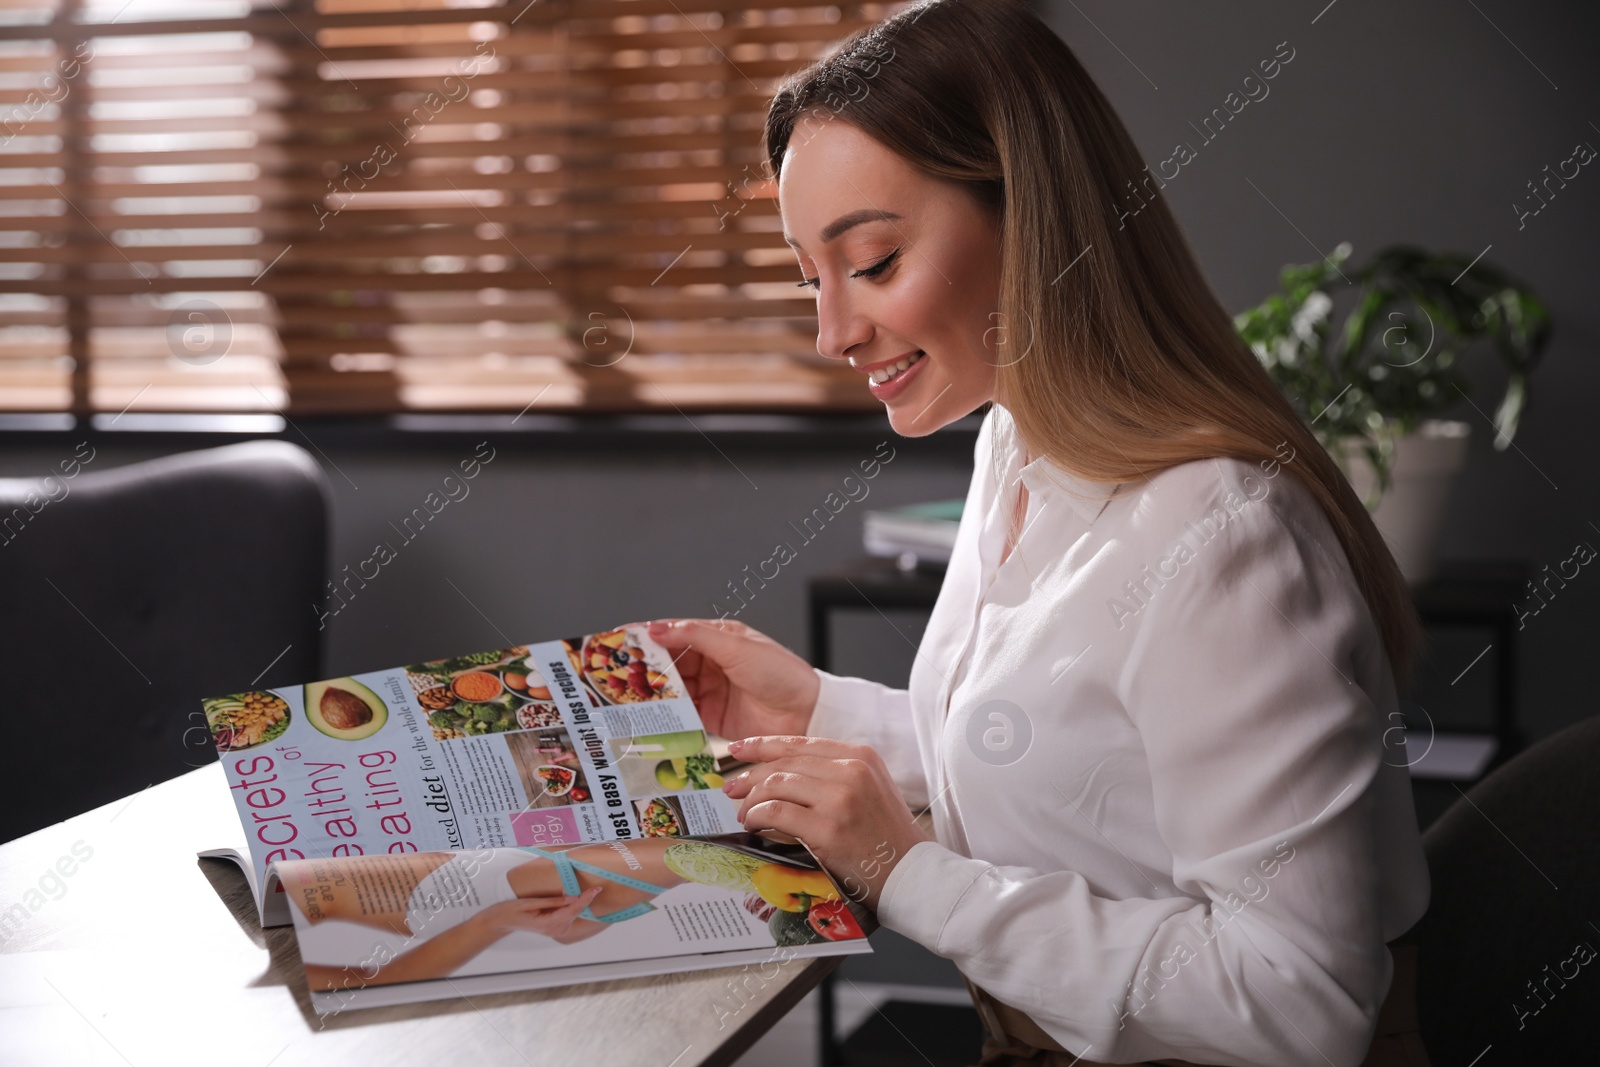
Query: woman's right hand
(743, 682)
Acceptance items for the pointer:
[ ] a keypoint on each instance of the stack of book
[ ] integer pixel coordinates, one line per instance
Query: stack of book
(921, 535)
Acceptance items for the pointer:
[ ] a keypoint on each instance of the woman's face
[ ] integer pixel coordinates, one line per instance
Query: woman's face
(906, 270)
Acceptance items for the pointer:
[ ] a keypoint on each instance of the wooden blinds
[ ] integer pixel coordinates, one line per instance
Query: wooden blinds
(346, 206)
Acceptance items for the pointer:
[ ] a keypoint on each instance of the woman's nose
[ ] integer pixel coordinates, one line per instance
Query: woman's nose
(839, 327)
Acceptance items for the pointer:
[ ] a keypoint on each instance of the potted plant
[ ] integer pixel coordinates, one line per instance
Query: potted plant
(1372, 389)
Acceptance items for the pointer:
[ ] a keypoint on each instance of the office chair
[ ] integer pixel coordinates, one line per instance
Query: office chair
(133, 592)
(1507, 950)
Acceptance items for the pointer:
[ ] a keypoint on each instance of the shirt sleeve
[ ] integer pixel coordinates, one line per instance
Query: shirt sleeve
(1262, 749)
(864, 712)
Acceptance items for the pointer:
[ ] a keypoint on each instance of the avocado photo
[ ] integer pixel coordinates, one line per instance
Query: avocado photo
(344, 708)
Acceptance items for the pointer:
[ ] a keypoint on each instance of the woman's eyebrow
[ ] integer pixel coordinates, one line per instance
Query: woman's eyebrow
(845, 222)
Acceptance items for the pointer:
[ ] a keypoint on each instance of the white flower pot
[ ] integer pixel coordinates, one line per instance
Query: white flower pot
(1411, 513)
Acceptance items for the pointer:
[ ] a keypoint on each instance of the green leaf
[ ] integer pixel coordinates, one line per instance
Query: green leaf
(1509, 413)
(1396, 358)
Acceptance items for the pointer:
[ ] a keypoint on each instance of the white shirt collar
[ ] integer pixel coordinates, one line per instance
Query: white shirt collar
(1047, 480)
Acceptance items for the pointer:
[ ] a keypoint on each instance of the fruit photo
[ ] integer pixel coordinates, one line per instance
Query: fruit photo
(623, 666)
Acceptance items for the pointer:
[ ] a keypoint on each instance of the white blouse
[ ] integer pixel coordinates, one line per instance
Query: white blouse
(1153, 741)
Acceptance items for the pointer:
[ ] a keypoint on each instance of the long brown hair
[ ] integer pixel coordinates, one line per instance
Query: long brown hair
(1130, 364)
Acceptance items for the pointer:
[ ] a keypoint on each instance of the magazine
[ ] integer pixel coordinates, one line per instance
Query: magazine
(434, 829)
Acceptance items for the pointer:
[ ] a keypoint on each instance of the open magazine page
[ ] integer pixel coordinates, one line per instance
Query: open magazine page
(563, 742)
(377, 920)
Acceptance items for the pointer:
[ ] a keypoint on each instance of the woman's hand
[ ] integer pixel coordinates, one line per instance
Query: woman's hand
(550, 916)
(742, 681)
(837, 798)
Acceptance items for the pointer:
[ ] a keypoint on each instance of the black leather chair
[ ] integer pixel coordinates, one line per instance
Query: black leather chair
(1507, 956)
(131, 593)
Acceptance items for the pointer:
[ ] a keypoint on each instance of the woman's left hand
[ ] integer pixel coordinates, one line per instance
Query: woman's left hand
(838, 798)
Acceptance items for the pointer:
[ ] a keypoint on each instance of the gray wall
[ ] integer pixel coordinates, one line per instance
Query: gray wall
(561, 534)
(555, 541)
(1403, 123)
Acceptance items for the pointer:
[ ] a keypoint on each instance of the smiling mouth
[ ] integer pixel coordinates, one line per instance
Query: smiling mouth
(894, 370)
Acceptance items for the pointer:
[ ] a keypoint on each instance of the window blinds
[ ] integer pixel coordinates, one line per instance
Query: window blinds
(365, 206)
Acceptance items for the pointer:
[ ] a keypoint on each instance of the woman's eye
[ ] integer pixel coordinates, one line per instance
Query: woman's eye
(866, 272)
(878, 267)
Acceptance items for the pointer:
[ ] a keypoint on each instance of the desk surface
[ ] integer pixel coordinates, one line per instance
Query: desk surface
(145, 954)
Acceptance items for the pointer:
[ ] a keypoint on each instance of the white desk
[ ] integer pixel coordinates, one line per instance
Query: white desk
(145, 955)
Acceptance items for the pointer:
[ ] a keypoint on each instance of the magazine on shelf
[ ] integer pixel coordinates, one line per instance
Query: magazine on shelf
(431, 829)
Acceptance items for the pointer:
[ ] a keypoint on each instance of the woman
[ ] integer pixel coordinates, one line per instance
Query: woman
(1149, 706)
(442, 911)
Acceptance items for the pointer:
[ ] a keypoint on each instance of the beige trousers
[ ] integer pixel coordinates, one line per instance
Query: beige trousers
(1017, 1041)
